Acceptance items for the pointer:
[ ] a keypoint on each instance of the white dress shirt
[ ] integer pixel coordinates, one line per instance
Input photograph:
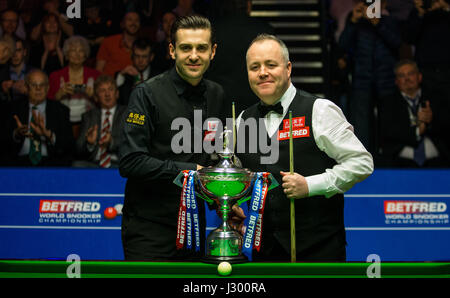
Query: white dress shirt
(408, 151)
(334, 136)
(111, 117)
(40, 109)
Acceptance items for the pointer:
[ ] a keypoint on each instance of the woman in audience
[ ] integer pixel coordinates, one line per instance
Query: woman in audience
(46, 52)
(73, 85)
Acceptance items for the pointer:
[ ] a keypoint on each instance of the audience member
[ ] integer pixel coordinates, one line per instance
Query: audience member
(7, 48)
(184, 8)
(52, 7)
(94, 26)
(141, 70)
(73, 85)
(115, 51)
(429, 31)
(372, 45)
(17, 71)
(99, 140)
(42, 135)
(162, 60)
(412, 127)
(12, 25)
(229, 67)
(46, 53)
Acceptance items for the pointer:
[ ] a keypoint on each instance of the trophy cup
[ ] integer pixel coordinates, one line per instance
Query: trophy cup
(226, 184)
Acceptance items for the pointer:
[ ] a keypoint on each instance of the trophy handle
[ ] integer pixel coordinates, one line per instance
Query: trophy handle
(272, 184)
(179, 182)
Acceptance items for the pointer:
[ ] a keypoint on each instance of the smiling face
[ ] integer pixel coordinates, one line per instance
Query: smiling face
(268, 72)
(408, 79)
(10, 21)
(107, 95)
(192, 53)
(131, 23)
(37, 85)
(76, 54)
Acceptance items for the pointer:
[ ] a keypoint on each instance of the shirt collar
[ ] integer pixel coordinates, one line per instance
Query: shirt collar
(180, 84)
(287, 98)
(415, 98)
(111, 110)
(40, 107)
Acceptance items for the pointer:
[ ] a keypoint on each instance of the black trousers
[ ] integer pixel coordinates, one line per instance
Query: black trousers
(145, 240)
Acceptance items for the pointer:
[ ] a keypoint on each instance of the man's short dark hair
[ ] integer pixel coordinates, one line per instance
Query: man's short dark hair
(103, 78)
(142, 44)
(405, 62)
(191, 22)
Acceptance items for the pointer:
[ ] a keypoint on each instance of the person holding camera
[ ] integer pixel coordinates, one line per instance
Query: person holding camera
(73, 85)
(428, 29)
(371, 44)
(413, 125)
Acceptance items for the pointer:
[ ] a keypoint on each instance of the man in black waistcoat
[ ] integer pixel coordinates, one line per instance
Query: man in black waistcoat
(150, 211)
(328, 159)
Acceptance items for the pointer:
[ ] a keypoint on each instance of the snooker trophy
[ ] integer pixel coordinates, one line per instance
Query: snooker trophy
(225, 184)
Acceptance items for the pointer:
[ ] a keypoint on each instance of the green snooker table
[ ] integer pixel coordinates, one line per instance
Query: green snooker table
(112, 269)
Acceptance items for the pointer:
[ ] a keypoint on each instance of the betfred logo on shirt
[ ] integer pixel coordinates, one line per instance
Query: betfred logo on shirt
(407, 207)
(58, 206)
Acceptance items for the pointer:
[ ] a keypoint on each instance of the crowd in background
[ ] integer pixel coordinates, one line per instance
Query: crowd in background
(89, 66)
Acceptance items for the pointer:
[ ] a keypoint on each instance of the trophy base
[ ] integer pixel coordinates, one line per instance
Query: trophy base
(219, 259)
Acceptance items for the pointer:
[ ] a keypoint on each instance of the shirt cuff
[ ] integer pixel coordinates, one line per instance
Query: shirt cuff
(317, 185)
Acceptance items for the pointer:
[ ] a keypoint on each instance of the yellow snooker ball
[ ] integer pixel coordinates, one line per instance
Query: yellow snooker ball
(224, 268)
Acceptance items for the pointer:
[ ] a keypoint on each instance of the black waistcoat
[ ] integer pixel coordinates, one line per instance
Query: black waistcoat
(317, 218)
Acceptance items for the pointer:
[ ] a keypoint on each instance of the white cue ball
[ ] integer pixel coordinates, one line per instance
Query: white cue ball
(224, 268)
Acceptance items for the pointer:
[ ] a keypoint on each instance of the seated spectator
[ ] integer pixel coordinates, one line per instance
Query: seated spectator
(46, 53)
(74, 84)
(140, 71)
(115, 51)
(94, 26)
(372, 46)
(98, 143)
(184, 8)
(9, 25)
(41, 130)
(17, 71)
(163, 61)
(413, 134)
(7, 48)
(52, 7)
(428, 29)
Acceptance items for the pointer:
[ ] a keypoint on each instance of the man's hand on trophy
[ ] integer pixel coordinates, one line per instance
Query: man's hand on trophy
(237, 218)
(294, 186)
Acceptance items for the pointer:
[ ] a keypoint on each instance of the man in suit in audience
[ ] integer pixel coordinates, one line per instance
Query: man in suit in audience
(41, 130)
(414, 124)
(98, 143)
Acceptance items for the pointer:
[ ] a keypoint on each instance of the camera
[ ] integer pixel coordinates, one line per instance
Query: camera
(79, 88)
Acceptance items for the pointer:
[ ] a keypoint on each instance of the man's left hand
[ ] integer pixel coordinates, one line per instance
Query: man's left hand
(294, 186)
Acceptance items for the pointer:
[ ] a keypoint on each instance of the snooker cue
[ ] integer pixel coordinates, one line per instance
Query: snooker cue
(234, 125)
(292, 205)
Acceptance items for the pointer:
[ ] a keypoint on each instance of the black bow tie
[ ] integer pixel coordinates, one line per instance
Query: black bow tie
(264, 109)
